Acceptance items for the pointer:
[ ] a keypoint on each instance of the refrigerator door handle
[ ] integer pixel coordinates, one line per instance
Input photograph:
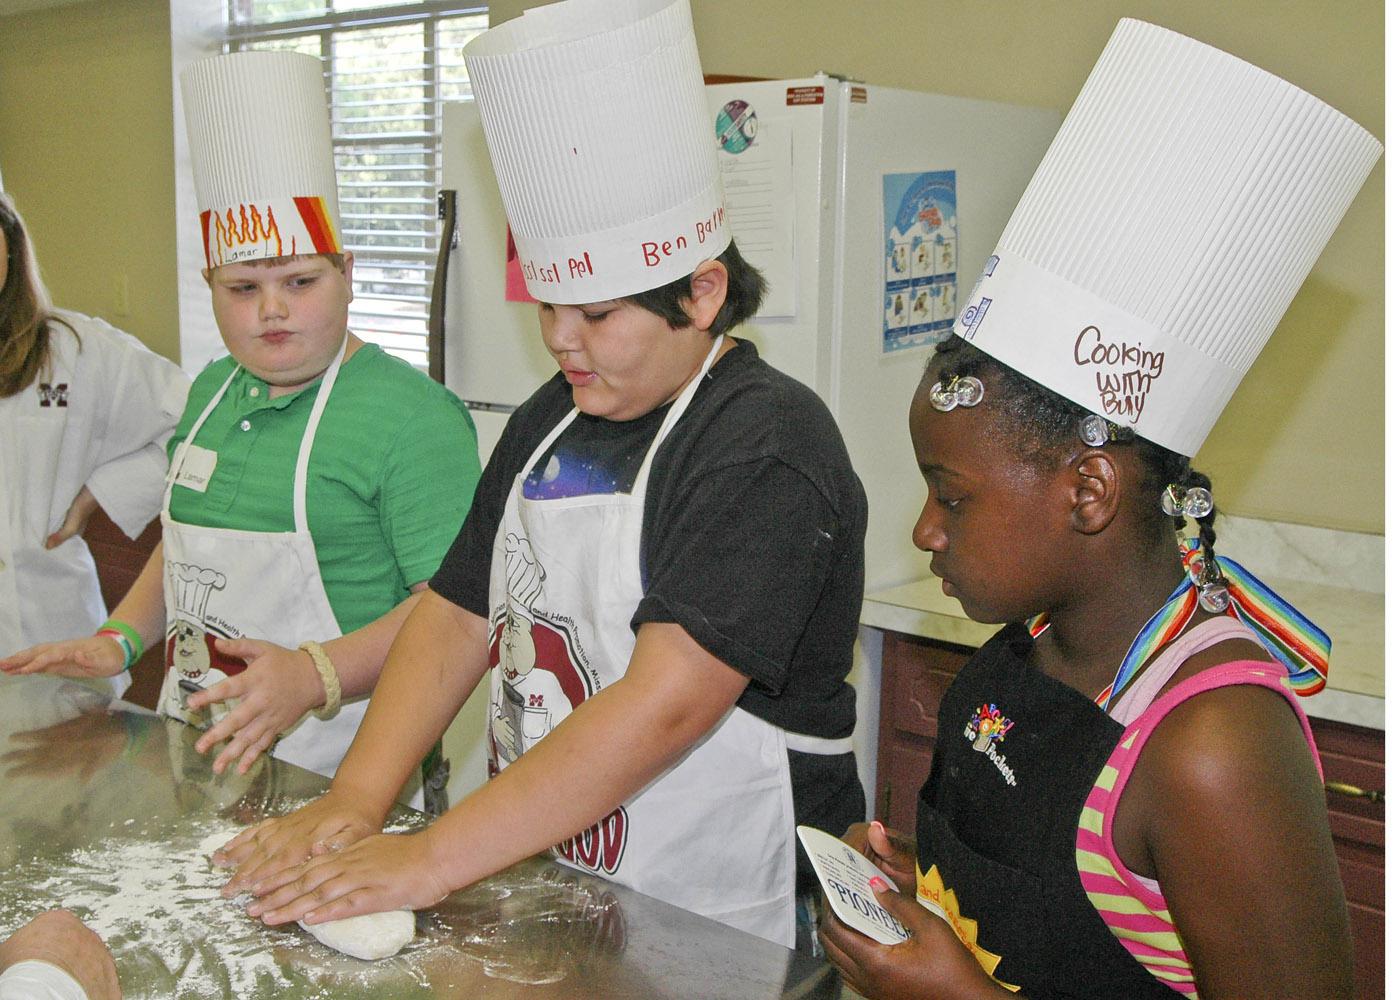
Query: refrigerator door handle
(447, 242)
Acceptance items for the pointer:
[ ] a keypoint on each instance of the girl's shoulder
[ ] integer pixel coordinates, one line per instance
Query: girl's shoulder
(1220, 732)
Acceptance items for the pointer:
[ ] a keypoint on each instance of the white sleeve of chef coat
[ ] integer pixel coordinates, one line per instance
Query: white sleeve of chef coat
(139, 401)
(35, 980)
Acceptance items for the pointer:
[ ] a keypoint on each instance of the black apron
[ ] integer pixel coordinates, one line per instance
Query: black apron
(999, 819)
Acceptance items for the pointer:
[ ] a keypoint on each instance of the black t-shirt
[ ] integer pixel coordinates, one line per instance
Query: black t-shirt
(753, 538)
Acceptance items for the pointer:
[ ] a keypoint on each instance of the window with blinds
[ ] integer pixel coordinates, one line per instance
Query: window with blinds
(389, 68)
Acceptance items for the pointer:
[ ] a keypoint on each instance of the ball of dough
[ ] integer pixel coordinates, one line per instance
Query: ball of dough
(369, 936)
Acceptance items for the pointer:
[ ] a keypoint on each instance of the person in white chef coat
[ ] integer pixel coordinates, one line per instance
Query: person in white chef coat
(85, 410)
(315, 481)
(673, 527)
(57, 957)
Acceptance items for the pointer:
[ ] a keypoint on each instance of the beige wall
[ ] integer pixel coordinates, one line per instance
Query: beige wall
(1303, 439)
(87, 154)
(85, 149)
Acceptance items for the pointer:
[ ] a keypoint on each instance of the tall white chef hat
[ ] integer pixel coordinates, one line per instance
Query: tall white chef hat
(594, 114)
(260, 144)
(1178, 210)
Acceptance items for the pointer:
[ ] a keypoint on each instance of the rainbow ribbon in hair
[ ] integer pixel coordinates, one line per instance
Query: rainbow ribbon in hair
(1291, 639)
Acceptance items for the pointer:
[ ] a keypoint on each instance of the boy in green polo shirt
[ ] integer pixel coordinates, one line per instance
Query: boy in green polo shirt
(315, 481)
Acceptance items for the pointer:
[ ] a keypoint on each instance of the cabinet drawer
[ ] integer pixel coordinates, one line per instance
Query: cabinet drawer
(917, 675)
(907, 765)
(1356, 757)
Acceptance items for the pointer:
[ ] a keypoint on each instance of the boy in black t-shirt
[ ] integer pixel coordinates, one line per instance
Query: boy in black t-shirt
(662, 569)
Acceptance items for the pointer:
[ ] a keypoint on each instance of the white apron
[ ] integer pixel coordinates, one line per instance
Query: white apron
(224, 582)
(715, 832)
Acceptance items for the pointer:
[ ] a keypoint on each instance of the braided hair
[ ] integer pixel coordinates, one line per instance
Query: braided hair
(1044, 427)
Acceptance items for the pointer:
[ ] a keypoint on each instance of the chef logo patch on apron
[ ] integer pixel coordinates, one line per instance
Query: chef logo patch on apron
(546, 676)
(986, 730)
(189, 640)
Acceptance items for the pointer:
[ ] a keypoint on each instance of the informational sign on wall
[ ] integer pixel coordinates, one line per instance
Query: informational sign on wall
(921, 258)
(755, 160)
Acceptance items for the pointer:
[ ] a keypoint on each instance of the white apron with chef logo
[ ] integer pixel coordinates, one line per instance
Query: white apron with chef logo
(714, 833)
(223, 582)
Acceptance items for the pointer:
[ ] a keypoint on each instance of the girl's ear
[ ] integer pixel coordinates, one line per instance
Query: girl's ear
(1098, 490)
(709, 288)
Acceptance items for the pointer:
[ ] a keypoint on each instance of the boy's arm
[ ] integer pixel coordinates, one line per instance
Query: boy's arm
(608, 748)
(143, 608)
(434, 663)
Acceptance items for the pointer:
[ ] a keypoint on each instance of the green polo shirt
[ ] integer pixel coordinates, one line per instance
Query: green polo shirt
(393, 469)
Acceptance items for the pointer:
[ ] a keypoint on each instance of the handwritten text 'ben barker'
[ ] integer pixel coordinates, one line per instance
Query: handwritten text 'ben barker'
(655, 253)
(1132, 368)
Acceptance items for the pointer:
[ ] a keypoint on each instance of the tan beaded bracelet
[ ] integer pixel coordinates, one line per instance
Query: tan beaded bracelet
(329, 679)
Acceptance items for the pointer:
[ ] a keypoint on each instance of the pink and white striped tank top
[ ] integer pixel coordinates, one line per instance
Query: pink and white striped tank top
(1132, 906)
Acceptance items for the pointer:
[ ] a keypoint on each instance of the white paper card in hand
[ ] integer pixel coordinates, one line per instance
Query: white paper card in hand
(845, 876)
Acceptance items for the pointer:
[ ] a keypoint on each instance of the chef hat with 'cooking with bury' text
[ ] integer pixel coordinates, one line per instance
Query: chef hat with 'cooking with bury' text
(594, 115)
(260, 144)
(1175, 215)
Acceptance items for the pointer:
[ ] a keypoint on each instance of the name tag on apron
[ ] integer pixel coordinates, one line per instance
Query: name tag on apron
(197, 468)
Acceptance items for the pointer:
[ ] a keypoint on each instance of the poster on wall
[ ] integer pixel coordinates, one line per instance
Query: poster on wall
(921, 258)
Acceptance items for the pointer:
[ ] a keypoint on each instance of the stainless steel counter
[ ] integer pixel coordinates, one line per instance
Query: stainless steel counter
(109, 811)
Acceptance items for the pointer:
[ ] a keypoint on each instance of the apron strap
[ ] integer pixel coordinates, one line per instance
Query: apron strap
(682, 401)
(179, 459)
(323, 395)
(819, 745)
(639, 487)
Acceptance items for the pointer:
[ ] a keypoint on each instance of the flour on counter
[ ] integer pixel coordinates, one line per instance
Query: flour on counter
(156, 902)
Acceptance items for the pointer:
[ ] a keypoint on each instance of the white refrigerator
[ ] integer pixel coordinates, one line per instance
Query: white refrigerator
(871, 212)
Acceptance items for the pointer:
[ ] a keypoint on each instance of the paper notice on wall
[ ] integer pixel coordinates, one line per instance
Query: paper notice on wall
(755, 159)
(921, 258)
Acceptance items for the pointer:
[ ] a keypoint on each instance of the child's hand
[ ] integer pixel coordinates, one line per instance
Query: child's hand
(382, 872)
(267, 856)
(278, 687)
(932, 965)
(893, 853)
(75, 521)
(94, 656)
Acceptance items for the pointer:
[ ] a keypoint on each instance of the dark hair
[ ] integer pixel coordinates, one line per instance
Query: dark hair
(746, 290)
(25, 311)
(1044, 426)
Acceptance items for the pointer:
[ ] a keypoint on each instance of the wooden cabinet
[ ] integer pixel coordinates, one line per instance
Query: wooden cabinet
(119, 561)
(916, 672)
(1353, 765)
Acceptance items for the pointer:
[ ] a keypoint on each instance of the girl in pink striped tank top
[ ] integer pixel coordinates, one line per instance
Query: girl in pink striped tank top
(1124, 800)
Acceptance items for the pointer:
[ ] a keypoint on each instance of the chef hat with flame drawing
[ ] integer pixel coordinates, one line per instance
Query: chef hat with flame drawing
(260, 145)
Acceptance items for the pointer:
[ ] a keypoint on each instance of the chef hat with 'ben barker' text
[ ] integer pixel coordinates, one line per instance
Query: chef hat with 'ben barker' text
(595, 118)
(1174, 217)
(260, 145)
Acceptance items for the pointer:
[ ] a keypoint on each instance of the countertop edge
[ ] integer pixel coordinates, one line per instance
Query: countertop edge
(1366, 711)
